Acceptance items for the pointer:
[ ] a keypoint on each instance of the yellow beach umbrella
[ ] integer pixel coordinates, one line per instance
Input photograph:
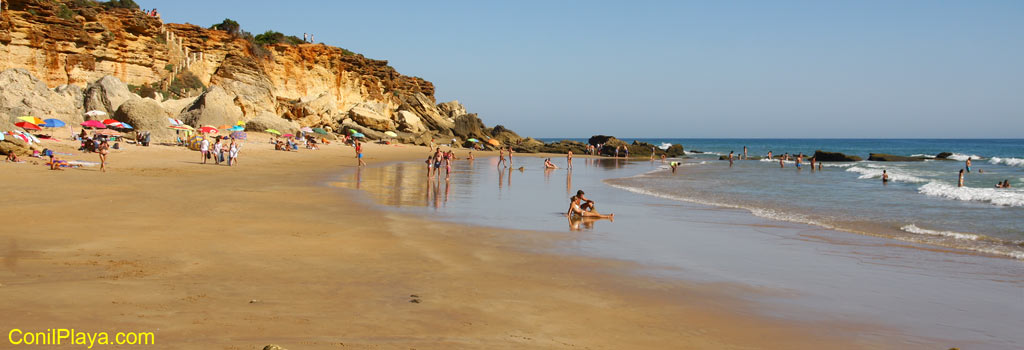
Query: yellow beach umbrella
(32, 120)
(240, 123)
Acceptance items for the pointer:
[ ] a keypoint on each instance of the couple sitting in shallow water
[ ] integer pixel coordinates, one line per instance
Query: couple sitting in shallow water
(582, 207)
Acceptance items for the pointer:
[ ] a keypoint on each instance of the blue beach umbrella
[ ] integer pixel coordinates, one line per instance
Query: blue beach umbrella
(53, 123)
(237, 128)
(126, 126)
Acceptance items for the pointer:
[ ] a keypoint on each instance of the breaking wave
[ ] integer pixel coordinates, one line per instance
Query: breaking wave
(958, 235)
(963, 157)
(1003, 197)
(874, 173)
(1017, 162)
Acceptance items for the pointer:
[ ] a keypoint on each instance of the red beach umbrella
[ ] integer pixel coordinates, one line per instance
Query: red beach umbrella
(27, 126)
(110, 121)
(208, 130)
(94, 124)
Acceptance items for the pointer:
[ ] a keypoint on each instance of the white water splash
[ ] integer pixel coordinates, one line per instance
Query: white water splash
(1008, 197)
(958, 235)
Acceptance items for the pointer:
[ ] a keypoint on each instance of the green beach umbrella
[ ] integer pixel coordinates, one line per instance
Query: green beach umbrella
(320, 131)
(275, 132)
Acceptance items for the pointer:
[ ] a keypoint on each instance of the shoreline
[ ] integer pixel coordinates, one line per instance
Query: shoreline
(205, 257)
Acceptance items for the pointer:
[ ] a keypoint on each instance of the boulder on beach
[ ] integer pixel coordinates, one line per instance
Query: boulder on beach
(214, 107)
(564, 146)
(269, 121)
(107, 94)
(506, 136)
(823, 156)
(370, 119)
(527, 145)
(14, 145)
(410, 122)
(469, 126)
(881, 157)
(146, 114)
(23, 94)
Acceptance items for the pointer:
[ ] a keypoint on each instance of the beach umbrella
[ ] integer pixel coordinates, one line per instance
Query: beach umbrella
(53, 123)
(126, 126)
(225, 126)
(175, 122)
(208, 130)
(1, 136)
(27, 125)
(94, 124)
(180, 127)
(353, 131)
(306, 129)
(473, 140)
(494, 142)
(272, 131)
(95, 113)
(237, 128)
(32, 120)
(391, 133)
(240, 123)
(110, 121)
(320, 131)
(358, 135)
(239, 135)
(287, 135)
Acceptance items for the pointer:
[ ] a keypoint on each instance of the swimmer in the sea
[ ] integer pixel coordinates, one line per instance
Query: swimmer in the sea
(885, 176)
(960, 181)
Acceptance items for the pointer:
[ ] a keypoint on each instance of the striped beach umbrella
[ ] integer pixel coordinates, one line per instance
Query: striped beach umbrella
(27, 126)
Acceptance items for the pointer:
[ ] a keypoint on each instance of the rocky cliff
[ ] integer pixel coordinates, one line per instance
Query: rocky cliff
(81, 48)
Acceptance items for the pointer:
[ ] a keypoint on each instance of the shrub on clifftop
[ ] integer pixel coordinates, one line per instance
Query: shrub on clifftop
(228, 25)
(122, 4)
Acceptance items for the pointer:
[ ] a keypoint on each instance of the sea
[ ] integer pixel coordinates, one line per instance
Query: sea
(920, 203)
(934, 265)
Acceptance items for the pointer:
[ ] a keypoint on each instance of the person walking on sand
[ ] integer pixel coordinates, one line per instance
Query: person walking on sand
(204, 149)
(103, 149)
(968, 163)
(233, 153)
(217, 151)
(359, 153)
(501, 157)
(960, 180)
(568, 160)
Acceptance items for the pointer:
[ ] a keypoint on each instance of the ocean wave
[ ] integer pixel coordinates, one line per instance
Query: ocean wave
(958, 235)
(665, 146)
(1018, 162)
(1003, 197)
(929, 156)
(839, 165)
(976, 243)
(874, 173)
(963, 157)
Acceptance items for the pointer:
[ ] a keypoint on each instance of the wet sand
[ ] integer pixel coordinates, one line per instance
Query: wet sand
(238, 258)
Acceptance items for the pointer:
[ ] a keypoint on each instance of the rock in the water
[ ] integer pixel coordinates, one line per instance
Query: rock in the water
(881, 157)
(943, 155)
(273, 347)
(269, 121)
(214, 107)
(370, 119)
(146, 114)
(823, 156)
(23, 94)
(527, 145)
(469, 126)
(675, 151)
(608, 144)
(599, 139)
(107, 94)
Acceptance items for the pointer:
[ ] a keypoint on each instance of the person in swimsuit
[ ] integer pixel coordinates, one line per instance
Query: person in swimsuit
(968, 164)
(501, 157)
(674, 165)
(730, 159)
(885, 176)
(448, 164)
(103, 149)
(359, 153)
(799, 161)
(549, 165)
(960, 180)
(575, 209)
(568, 160)
(437, 163)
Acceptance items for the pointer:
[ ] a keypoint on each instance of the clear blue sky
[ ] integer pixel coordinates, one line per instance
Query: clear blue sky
(685, 69)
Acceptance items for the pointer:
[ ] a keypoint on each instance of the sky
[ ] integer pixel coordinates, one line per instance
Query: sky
(687, 69)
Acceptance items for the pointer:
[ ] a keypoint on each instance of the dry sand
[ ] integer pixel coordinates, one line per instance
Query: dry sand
(216, 257)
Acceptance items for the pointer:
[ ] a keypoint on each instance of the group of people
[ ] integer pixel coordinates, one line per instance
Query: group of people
(218, 150)
(439, 158)
(580, 206)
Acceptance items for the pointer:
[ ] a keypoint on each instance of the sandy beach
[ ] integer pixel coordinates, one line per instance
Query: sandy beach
(264, 253)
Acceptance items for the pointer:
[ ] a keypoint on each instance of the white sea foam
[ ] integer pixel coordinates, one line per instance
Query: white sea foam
(665, 145)
(1009, 197)
(839, 165)
(875, 173)
(963, 157)
(1018, 162)
(923, 155)
(958, 235)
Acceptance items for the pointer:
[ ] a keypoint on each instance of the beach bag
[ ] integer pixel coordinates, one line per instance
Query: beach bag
(207, 155)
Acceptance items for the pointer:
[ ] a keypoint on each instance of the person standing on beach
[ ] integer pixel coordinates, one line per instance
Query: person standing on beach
(968, 163)
(510, 156)
(568, 160)
(960, 180)
(217, 148)
(744, 152)
(730, 159)
(501, 157)
(359, 153)
(233, 153)
(204, 149)
(103, 149)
